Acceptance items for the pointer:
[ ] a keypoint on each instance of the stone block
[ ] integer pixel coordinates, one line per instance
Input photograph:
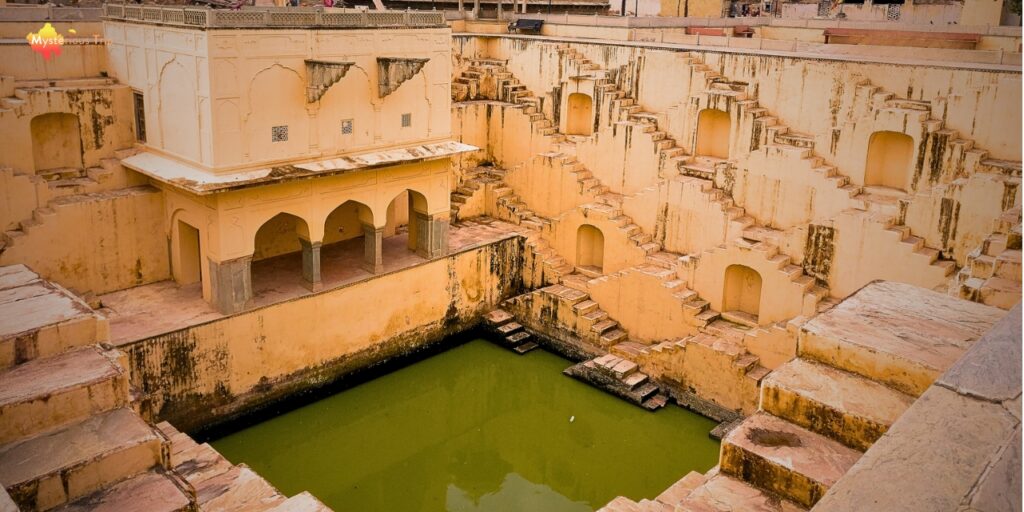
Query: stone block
(46, 471)
(831, 402)
(785, 459)
(46, 393)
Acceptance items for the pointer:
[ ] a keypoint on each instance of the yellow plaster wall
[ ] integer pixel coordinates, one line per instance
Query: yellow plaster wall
(229, 88)
(97, 243)
(104, 121)
(243, 360)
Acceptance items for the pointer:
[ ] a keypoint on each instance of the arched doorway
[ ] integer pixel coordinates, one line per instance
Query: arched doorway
(742, 290)
(580, 115)
(713, 127)
(888, 160)
(277, 259)
(56, 141)
(408, 216)
(189, 262)
(344, 249)
(590, 248)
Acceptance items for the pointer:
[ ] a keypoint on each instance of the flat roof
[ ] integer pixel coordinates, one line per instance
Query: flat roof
(267, 17)
(201, 182)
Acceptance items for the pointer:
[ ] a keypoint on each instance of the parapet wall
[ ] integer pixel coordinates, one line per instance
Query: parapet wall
(214, 371)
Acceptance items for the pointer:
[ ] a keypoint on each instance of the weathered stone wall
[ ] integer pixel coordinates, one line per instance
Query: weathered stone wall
(214, 371)
(96, 243)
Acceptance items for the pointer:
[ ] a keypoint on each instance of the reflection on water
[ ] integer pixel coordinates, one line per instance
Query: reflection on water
(475, 428)
(515, 494)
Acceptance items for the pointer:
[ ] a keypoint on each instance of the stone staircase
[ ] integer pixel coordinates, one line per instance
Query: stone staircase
(568, 316)
(69, 433)
(860, 366)
(621, 377)
(473, 184)
(992, 274)
(476, 81)
(221, 486)
(56, 186)
(511, 334)
(71, 436)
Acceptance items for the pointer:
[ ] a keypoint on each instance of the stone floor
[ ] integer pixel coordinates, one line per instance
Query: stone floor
(156, 308)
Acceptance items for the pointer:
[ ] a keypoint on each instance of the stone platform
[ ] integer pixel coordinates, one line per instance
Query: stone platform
(146, 311)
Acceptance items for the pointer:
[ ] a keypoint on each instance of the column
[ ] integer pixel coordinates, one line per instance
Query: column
(373, 240)
(431, 235)
(476, 9)
(311, 264)
(231, 284)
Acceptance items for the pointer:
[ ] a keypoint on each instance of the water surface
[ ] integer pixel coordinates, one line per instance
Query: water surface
(475, 428)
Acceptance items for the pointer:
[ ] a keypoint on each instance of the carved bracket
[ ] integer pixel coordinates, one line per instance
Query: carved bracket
(393, 71)
(321, 75)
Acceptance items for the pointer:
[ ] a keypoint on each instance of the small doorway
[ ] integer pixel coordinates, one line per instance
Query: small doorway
(742, 291)
(189, 260)
(581, 115)
(590, 248)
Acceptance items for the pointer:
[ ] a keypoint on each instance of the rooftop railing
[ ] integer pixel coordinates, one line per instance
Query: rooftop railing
(272, 17)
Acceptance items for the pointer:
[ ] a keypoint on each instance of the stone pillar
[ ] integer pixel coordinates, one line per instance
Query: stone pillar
(373, 242)
(431, 235)
(499, 10)
(231, 284)
(462, 9)
(476, 9)
(311, 264)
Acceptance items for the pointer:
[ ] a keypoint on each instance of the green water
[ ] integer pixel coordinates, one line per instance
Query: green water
(475, 428)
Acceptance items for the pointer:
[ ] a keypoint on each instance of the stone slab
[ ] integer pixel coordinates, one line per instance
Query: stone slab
(852, 409)
(991, 369)
(152, 491)
(784, 458)
(302, 502)
(79, 443)
(40, 378)
(44, 394)
(929, 460)
(13, 276)
(35, 305)
(900, 334)
(722, 493)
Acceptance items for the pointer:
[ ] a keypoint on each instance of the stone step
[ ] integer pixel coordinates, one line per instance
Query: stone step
(49, 470)
(497, 317)
(604, 326)
(517, 338)
(903, 346)
(151, 491)
(843, 406)
(678, 491)
(44, 394)
(612, 337)
(302, 502)
(785, 459)
(635, 379)
(525, 347)
(722, 493)
(508, 328)
(237, 489)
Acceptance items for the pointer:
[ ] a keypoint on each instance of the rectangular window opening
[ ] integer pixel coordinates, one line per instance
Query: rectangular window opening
(140, 116)
(346, 127)
(406, 120)
(279, 134)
